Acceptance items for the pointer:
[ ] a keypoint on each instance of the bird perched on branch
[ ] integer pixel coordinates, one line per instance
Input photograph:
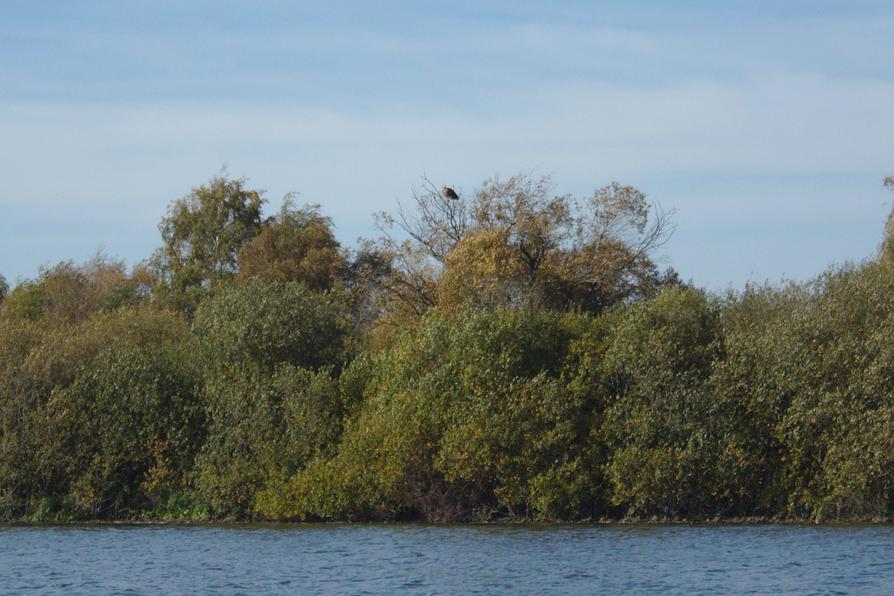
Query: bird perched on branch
(449, 193)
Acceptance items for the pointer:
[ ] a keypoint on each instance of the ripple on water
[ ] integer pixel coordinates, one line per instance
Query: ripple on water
(447, 559)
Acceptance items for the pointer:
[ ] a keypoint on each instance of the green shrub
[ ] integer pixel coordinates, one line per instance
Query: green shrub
(263, 427)
(90, 411)
(463, 416)
(267, 323)
(132, 424)
(674, 446)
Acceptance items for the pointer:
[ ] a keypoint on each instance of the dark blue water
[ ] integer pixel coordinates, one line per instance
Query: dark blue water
(452, 559)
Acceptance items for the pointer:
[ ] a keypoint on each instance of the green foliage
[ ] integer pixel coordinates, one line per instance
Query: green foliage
(822, 383)
(100, 416)
(297, 245)
(263, 427)
(673, 442)
(888, 240)
(69, 293)
(268, 323)
(576, 385)
(461, 416)
(202, 235)
(267, 349)
(133, 424)
(28, 302)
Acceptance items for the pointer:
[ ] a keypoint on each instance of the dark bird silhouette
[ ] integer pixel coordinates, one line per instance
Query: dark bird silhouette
(449, 193)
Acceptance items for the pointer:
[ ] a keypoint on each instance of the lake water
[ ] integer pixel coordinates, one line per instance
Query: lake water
(448, 559)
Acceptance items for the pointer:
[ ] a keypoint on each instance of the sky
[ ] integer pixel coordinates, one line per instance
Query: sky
(766, 126)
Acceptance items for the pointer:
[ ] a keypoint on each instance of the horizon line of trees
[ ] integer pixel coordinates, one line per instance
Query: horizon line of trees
(514, 354)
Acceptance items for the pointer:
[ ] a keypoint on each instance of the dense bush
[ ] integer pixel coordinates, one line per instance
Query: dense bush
(463, 416)
(269, 323)
(132, 425)
(676, 446)
(68, 293)
(268, 350)
(264, 426)
(100, 417)
(510, 361)
(812, 365)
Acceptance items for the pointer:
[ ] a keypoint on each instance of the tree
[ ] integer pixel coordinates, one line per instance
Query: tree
(264, 425)
(133, 425)
(4, 288)
(465, 416)
(202, 235)
(888, 243)
(296, 245)
(69, 293)
(366, 276)
(266, 349)
(671, 440)
(90, 412)
(519, 244)
(268, 323)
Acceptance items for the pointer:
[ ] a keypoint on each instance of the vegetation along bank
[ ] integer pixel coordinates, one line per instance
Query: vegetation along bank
(513, 354)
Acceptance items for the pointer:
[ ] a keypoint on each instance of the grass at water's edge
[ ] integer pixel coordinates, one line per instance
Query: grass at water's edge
(181, 518)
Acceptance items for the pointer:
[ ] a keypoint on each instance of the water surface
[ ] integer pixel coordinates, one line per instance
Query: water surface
(448, 559)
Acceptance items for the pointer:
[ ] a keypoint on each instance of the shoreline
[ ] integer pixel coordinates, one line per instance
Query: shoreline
(739, 521)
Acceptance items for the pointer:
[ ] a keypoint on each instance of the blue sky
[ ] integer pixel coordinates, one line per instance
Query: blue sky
(767, 126)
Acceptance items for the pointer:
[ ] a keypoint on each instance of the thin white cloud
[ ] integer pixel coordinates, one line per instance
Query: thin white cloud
(804, 100)
(781, 124)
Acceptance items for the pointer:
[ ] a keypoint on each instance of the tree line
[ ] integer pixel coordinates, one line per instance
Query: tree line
(514, 354)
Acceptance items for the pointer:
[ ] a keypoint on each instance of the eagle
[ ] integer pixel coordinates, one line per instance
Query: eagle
(449, 193)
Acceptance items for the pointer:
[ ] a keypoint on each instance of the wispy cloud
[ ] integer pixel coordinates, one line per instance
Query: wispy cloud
(728, 121)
